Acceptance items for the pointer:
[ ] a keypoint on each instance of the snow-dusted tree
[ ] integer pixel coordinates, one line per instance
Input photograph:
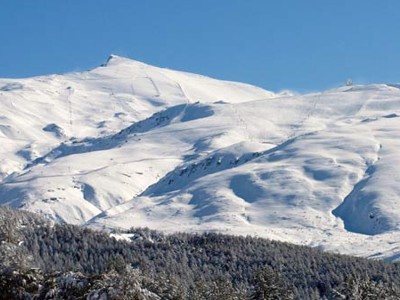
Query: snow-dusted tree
(126, 286)
(219, 288)
(365, 289)
(269, 285)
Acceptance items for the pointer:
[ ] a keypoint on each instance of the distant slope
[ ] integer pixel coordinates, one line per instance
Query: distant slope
(129, 144)
(40, 112)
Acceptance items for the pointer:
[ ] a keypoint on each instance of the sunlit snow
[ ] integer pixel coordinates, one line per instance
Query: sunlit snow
(128, 144)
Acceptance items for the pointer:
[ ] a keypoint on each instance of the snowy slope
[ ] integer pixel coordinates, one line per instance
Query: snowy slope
(128, 144)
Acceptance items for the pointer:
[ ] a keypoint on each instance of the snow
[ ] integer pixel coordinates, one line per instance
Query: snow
(128, 145)
(126, 237)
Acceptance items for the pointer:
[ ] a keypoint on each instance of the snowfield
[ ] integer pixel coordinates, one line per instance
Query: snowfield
(128, 144)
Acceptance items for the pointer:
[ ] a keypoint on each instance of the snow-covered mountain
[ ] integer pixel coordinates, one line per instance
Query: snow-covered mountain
(128, 144)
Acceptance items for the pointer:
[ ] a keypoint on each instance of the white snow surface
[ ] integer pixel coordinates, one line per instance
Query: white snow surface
(132, 145)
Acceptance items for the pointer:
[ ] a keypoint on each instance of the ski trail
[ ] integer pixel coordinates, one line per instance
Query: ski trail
(184, 93)
(363, 107)
(15, 180)
(308, 115)
(158, 94)
(132, 87)
(241, 122)
(68, 95)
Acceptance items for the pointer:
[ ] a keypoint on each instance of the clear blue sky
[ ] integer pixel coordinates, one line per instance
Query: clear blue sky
(295, 44)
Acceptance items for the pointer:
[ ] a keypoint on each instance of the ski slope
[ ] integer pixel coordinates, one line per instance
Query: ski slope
(128, 144)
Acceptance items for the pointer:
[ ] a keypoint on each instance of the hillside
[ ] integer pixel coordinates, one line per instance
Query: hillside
(128, 144)
(41, 260)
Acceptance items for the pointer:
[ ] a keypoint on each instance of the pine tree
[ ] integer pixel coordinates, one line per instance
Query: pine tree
(269, 285)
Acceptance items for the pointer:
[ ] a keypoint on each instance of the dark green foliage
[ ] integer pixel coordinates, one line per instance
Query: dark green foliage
(17, 284)
(359, 289)
(177, 266)
(219, 288)
(269, 285)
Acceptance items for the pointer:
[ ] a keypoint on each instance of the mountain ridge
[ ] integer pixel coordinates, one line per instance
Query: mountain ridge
(127, 144)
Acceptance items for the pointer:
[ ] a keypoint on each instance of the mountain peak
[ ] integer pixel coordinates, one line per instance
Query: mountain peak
(114, 59)
(131, 144)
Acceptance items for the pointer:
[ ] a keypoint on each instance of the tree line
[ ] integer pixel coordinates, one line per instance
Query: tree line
(44, 260)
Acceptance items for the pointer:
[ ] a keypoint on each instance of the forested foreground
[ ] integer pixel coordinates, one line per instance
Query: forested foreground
(41, 260)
